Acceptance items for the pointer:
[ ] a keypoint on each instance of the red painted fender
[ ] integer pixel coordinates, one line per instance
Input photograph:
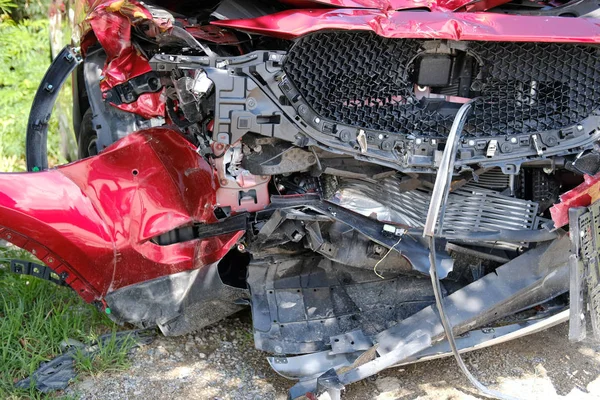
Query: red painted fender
(94, 219)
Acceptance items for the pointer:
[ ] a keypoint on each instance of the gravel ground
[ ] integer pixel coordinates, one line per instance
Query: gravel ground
(220, 362)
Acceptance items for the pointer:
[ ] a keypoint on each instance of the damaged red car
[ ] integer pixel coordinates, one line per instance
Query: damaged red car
(380, 181)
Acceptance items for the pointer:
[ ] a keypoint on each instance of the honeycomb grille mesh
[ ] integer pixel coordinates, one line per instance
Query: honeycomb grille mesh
(362, 79)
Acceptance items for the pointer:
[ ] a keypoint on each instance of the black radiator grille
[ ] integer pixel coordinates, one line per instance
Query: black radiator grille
(362, 79)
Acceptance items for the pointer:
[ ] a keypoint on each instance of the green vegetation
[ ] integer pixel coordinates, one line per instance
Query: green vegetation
(35, 316)
(24, 59)
(111, 357)
(6, 6)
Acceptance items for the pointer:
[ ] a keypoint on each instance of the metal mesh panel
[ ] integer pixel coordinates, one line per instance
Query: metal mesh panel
(492, 179)
(361, 79)
(469, 209)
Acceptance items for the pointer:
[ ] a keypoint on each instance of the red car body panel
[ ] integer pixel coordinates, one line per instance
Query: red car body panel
(94, 219)
(96, 213)
(292, 24)
(583, 195)
(110, 23)
(385, 5)
(101, 223)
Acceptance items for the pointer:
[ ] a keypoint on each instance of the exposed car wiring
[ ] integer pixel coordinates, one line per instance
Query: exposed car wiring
(383, 258)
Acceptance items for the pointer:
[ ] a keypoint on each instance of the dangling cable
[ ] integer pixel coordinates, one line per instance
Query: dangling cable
(439, 198)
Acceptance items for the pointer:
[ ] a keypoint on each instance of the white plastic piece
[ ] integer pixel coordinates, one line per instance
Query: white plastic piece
(362, 141)
(492, 148)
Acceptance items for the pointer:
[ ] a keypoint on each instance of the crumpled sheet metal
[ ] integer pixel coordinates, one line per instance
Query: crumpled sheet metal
(313, 365)
(581, 196)
(95, 219)
(532, 278)
(58, 372)
(111, 22)
(210, 33)
(390, 5)
(480, 26)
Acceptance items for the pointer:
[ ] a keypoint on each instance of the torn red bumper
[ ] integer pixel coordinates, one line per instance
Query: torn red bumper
(582, 196)
(94, 219)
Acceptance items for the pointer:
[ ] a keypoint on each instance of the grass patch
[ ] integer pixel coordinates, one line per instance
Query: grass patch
(35, 317)
(24, 58)
(111, 357)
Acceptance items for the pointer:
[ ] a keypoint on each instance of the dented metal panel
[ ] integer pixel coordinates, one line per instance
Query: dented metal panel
(422, 25)
(97, 217)
(282, 154)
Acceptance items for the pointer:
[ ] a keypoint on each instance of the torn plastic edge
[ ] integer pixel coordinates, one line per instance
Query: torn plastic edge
(111, 22)
(581, 196)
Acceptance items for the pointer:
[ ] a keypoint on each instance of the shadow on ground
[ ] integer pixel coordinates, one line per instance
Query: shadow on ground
(220, 362)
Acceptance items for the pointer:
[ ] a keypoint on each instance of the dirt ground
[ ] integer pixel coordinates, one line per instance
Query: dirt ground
(220, 362)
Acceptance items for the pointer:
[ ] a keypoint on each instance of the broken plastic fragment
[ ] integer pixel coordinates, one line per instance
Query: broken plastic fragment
(582, 196)
(58, 372)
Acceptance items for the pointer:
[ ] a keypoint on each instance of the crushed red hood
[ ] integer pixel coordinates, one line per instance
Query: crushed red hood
(292, 24)
(391, 5)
